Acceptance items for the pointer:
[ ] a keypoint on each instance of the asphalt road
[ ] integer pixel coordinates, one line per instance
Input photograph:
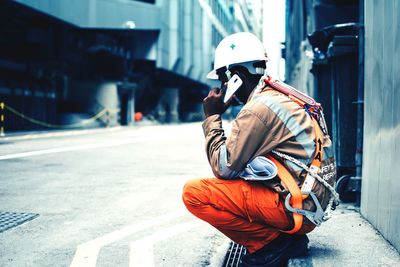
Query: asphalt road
(105, 198)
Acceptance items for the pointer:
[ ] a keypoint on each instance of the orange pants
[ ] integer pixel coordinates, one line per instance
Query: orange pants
(247, 212)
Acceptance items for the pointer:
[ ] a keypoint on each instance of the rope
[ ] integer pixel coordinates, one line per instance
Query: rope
(334, 200)
(48, 125)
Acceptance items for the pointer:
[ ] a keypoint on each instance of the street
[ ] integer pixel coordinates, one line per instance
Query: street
(100, 110)
(105, 198)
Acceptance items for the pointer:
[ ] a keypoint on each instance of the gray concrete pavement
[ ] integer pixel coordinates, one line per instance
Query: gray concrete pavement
(347, 239)
(113, 198)
(97, 194)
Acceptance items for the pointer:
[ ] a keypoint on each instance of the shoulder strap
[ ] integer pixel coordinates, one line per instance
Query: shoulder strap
(317, 160)
(290, 91)
(318, 144)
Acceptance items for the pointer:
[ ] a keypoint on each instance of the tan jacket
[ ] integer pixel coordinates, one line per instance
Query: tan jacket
(269, 121)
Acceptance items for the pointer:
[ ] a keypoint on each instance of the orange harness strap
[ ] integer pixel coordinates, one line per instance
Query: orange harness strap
(318, 142)
(286, 177)
(290, 183)
(297, 199)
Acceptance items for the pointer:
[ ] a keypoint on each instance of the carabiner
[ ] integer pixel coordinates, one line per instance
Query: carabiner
(315, 217)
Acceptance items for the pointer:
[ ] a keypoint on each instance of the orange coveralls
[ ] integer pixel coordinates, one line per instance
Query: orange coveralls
(252, 213)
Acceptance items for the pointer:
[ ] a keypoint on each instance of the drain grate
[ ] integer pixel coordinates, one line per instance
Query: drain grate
(233, 255)
(9, 220)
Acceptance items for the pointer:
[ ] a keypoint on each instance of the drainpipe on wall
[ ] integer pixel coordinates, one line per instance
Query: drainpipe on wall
(355, 182)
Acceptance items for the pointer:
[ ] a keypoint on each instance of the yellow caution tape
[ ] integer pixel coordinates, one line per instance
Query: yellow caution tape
(48, 125)
(2, 119)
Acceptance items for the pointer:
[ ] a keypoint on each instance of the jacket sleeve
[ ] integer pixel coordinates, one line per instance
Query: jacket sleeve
(229, 156)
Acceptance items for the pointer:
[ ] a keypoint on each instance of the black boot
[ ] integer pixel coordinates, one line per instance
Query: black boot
(277, 252)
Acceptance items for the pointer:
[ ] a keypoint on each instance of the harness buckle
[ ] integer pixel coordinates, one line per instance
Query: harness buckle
(314, 170)
(316, 217)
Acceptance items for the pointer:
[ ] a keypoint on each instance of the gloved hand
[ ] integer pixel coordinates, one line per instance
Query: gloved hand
(214, 104)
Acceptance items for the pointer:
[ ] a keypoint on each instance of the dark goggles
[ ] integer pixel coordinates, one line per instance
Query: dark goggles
(224, 74)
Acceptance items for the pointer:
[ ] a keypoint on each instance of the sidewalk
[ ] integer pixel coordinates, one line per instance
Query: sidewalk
(348, 239)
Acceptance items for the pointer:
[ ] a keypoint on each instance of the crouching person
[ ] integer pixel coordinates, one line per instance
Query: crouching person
(268, 192)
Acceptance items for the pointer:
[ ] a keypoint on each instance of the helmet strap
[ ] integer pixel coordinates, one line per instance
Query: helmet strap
(265, 72)
(228, 73)
(260, 71)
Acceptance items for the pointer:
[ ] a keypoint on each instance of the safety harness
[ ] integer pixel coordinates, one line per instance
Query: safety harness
(296, 195)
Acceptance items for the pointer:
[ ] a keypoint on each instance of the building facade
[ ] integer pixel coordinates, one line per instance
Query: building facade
(111, 58)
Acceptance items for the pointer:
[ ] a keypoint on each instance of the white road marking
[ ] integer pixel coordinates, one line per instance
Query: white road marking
(141, 251)
(86, 253)
(50, 134)
(218, 257)
(72, 148)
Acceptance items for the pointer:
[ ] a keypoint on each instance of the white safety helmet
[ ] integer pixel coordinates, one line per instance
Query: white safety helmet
(242, 48)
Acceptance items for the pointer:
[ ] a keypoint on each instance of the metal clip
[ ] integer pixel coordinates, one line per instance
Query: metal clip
(314, 170)
(315, 217)
(228, 74)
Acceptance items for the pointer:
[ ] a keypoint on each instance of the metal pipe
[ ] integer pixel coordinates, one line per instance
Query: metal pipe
(360, 111)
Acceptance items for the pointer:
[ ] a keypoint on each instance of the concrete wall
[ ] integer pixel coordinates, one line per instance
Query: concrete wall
(380, 198)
